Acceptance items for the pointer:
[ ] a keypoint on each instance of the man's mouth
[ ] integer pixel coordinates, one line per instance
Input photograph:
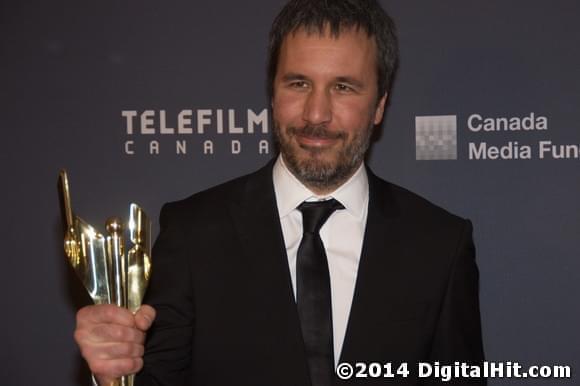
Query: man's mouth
(315, 137)
(319, 142)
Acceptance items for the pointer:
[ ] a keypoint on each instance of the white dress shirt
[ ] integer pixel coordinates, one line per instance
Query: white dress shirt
(342, 235)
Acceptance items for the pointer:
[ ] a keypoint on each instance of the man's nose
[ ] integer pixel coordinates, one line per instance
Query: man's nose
(317, 108)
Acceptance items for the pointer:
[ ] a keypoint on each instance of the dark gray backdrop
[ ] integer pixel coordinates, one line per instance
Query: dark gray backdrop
(69, 69)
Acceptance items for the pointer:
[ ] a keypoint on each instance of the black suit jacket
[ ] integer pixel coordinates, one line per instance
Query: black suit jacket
(226, 313)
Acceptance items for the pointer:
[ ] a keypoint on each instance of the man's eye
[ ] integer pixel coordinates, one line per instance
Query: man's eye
(343, 87)
(299, 84)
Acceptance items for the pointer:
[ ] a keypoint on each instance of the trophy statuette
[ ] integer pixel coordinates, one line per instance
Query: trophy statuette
(109, 275)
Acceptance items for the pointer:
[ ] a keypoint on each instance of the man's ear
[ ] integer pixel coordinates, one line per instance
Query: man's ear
(380, 109)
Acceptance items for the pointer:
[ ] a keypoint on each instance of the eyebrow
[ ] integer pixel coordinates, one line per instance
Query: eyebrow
(292, 76)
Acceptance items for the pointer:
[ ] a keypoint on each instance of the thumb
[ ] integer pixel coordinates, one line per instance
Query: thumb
(144, 317)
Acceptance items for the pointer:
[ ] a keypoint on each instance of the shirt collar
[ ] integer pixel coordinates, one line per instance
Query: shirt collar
(290, 192)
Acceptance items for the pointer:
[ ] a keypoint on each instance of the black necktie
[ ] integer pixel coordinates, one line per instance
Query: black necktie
(313, 292)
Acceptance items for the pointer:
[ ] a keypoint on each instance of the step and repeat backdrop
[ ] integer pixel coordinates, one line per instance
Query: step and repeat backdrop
(152, 101)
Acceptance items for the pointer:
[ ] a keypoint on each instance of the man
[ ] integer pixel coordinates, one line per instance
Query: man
(276, 277)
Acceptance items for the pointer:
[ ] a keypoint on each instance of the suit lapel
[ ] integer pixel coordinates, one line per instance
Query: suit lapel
(256, 219)
(378, 283)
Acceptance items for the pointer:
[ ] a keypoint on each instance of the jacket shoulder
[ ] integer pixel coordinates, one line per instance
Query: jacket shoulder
(413, 206)
(209, 203)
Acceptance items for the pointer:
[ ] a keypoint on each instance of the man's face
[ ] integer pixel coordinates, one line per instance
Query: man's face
(325, 105)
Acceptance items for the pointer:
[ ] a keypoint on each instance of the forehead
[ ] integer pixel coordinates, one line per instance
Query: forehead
(351, 49)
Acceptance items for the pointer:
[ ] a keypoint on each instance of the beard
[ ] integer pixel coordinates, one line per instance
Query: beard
(313, 170)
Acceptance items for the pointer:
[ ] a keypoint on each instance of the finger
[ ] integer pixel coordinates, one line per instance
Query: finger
(110, 333)
(105, 313)
(111, 351)
(115, 368)
(145, 317)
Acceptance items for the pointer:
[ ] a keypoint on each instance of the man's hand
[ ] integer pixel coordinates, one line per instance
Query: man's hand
(112, 339)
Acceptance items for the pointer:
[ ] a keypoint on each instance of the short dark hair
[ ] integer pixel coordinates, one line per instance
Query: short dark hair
(317, 15)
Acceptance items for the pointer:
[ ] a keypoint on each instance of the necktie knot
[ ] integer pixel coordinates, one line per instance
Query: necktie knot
(315, 213)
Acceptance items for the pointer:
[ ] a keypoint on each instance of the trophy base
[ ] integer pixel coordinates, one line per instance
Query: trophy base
(126, 380)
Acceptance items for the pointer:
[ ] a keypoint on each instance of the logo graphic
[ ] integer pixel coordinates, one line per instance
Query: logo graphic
(201, 132)
(436, 137)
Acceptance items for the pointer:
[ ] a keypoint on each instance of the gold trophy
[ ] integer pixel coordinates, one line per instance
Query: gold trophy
(109, 275)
